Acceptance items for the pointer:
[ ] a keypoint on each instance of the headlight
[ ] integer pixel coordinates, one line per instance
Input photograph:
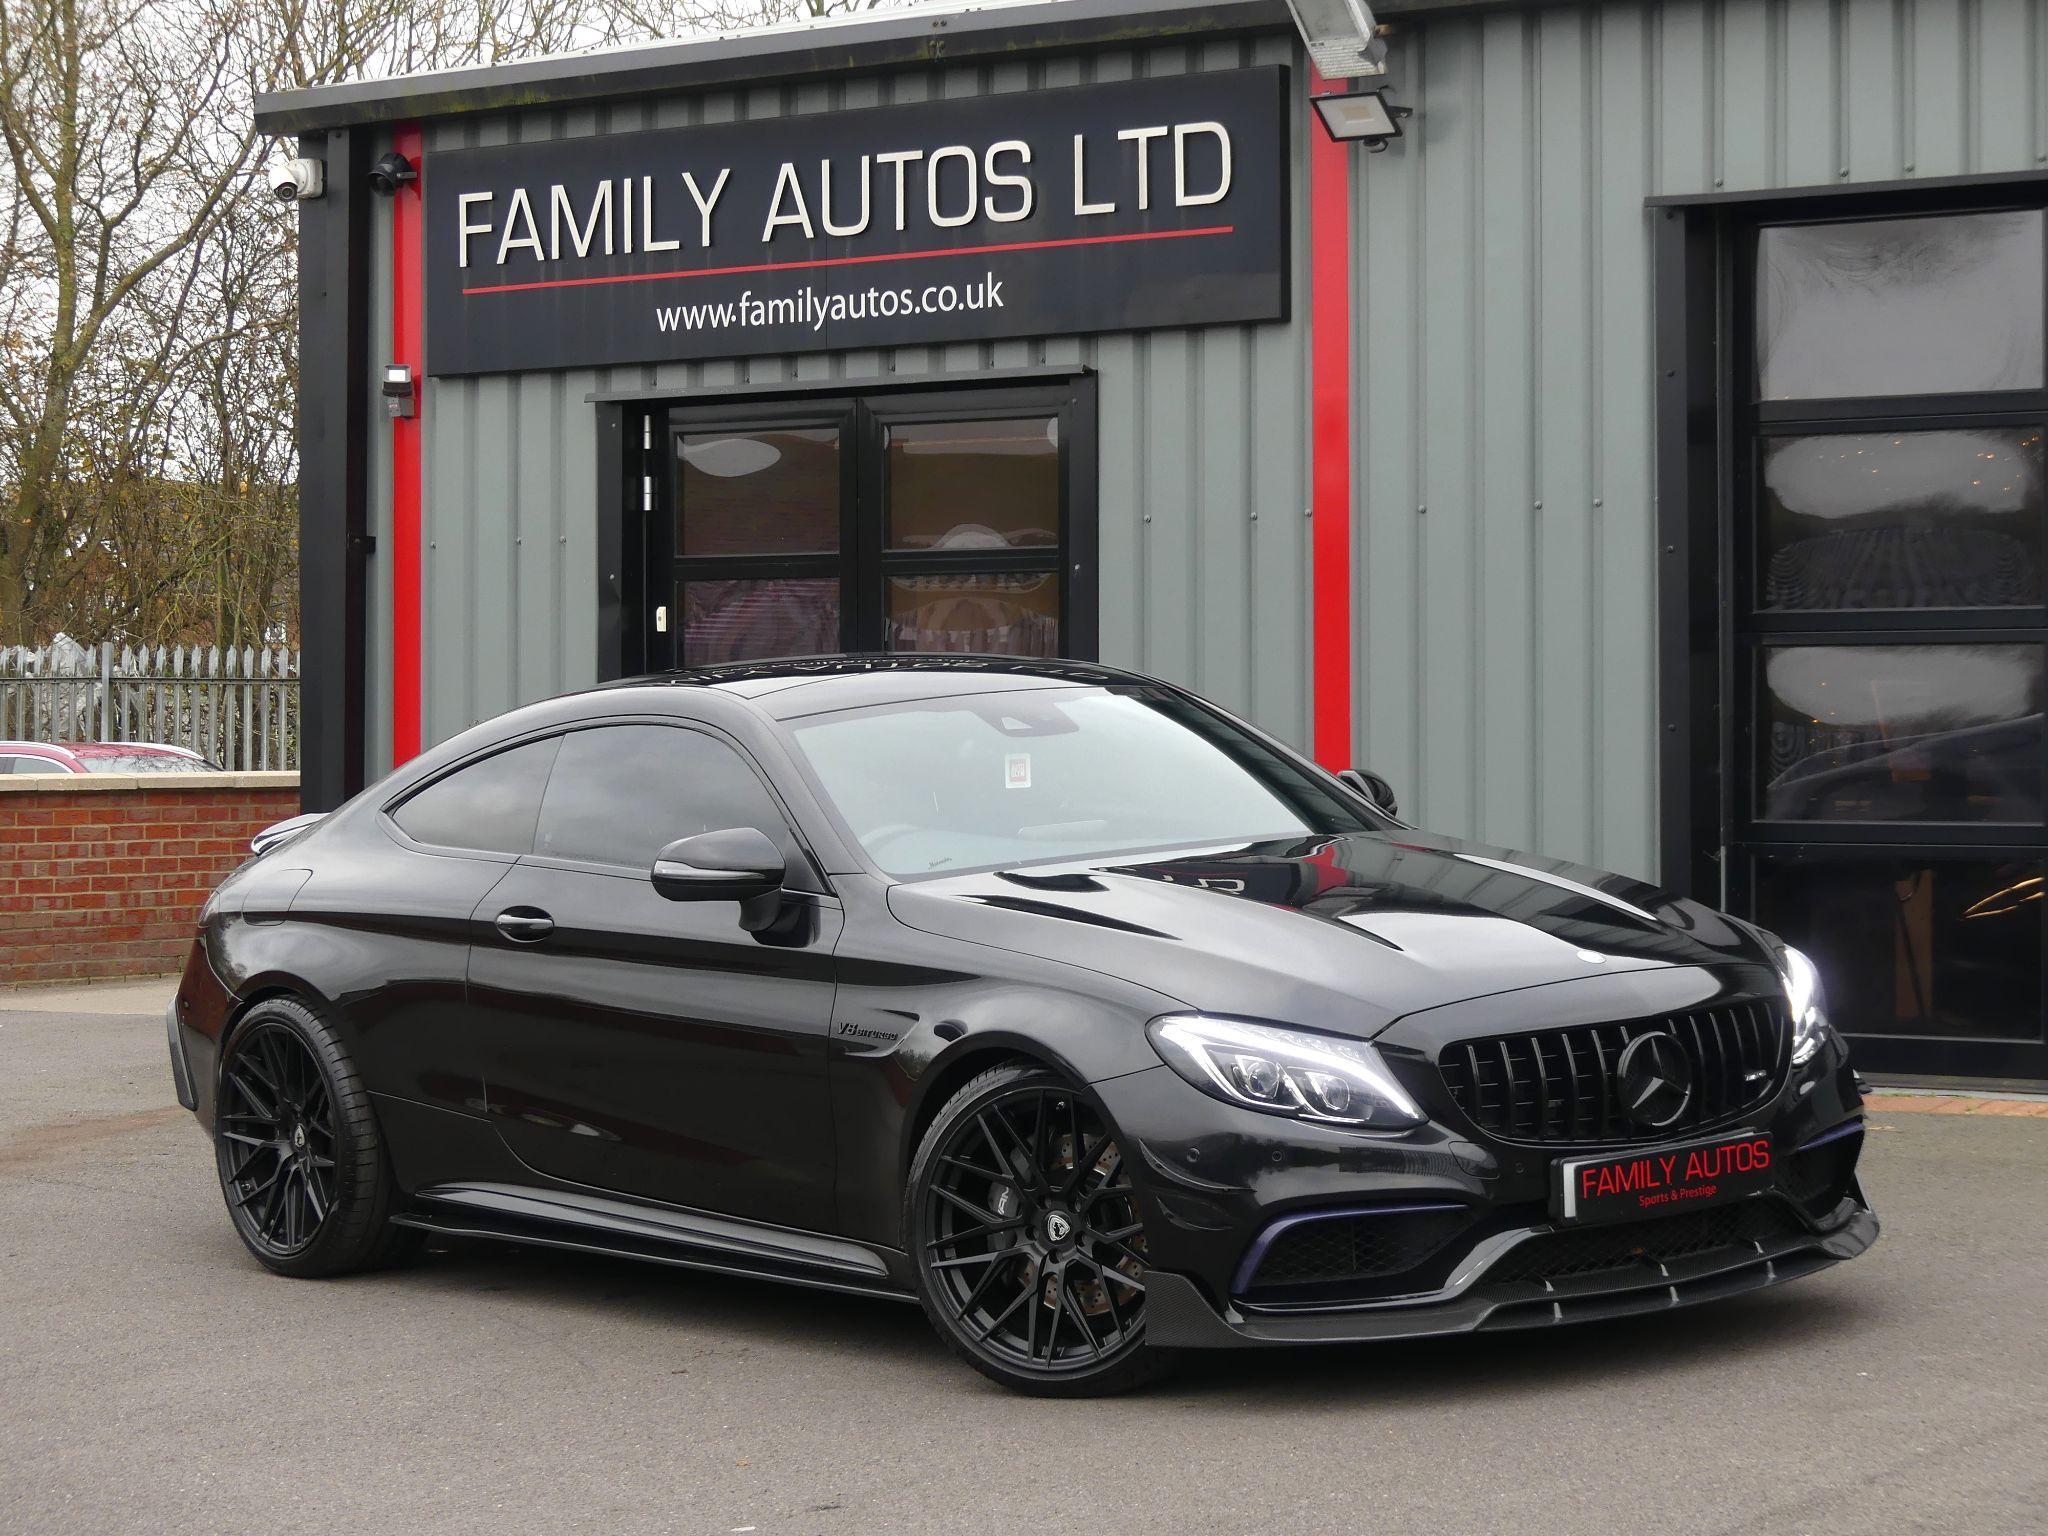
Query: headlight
(1284, 1071)
(1809, 1004)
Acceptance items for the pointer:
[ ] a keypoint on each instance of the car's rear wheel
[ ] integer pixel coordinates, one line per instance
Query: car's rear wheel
(1027, 1240)
(302, 1163)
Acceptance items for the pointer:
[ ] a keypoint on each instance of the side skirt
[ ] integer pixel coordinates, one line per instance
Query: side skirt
(589, 1223)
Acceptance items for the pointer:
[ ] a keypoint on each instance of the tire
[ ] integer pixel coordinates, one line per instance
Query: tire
(1018, 1193)
(301, 1159)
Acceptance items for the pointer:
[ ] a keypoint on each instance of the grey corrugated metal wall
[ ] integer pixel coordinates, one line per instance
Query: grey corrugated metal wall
(1505, 559)
(1504, 553)
(1202, 479)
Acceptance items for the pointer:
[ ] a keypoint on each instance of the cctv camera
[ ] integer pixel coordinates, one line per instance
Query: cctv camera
(297, 179)
(390, 172)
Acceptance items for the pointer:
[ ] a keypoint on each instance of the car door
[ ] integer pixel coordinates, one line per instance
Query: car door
(646, 1046)
(390, 914)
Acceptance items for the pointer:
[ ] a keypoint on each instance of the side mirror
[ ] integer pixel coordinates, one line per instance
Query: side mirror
(1373, 787)
(734, 864)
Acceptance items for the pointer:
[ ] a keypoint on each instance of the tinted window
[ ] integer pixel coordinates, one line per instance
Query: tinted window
(621, 793)
(730, 478)
(1916, 945)
(491, 805)
(27, 764)
(775, 616)
(1900, 306)
(1902, 733)
(1854, 521)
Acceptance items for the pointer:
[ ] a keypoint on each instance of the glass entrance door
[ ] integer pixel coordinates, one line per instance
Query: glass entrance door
(970, 522)
(1889, 624)
(761, 510)
(960, 521)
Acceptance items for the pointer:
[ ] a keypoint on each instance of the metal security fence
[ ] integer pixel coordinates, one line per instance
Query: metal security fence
(239, 708)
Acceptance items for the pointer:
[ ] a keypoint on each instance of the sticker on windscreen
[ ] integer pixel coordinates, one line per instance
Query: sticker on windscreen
(1017, 771)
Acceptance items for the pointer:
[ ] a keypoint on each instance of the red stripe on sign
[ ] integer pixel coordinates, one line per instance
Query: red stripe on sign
(855, 261)
(1329, 233)
(407, 555)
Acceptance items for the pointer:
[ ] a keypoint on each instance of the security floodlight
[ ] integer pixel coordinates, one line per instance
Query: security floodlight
(390, 172)
(400, 398)
(1342, 37)
(1365, 115)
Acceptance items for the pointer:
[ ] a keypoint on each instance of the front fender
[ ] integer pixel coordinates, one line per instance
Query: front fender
(910, 1025)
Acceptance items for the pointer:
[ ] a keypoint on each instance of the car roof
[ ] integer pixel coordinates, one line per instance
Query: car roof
(786, 688)
(47, 749)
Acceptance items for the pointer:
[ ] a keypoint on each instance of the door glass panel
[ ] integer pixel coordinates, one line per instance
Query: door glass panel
(758, 492)
(1878, 520)
(1892, 733)
(974, 484)
(1900, 306)
(1009, 615)
(490, 805)
(749, 620)
(621, 793)
(1916, 947)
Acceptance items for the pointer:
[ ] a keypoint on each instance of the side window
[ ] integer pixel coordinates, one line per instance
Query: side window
(28, 764)
(490, 806)
(621, 793)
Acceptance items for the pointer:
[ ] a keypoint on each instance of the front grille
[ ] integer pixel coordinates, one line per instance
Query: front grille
(1633, 1244)
(1561, 1085)
(1356, 1246)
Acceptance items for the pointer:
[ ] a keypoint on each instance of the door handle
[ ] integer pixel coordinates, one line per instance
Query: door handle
(525, 925)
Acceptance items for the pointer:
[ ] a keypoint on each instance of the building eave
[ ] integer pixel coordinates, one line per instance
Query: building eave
(877, 40)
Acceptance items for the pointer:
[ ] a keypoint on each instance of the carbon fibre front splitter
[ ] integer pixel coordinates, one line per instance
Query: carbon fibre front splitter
(1179, 1316)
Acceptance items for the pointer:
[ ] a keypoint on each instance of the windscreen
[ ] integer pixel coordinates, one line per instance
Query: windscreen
(995, 780)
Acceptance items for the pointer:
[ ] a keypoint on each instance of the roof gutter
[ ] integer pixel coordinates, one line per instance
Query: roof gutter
(876, 40)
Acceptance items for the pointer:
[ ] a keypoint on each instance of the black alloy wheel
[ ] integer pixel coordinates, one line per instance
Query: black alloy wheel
(277, 1140)
(302, 1164)
(1028, 1242)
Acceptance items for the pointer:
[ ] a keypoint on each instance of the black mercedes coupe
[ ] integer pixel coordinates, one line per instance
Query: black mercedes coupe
(1051, 997)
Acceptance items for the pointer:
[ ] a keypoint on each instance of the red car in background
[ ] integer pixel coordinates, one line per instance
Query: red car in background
(100, 757)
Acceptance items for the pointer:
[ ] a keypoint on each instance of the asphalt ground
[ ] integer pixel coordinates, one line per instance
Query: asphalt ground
(153, 1378)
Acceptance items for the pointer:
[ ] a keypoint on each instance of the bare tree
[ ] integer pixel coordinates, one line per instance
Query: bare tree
(147, 284)
(108, 122)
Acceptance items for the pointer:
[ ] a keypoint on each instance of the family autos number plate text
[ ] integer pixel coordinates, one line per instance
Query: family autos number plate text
(1659, 1181)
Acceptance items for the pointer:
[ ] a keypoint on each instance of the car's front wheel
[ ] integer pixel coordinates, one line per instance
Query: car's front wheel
(1027, 1240)
(302, 1162)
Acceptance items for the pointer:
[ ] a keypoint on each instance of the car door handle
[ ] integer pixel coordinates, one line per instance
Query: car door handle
(525, 925)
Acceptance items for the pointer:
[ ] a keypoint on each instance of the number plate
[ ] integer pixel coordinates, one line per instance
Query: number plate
(1660, 1181)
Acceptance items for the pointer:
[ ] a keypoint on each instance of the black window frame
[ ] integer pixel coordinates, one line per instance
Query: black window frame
(1711, 425)
(647, 571)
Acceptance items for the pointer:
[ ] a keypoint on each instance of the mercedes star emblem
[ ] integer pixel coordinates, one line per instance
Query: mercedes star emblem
(1656, 1080)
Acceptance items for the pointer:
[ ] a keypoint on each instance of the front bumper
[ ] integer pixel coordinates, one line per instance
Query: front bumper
(1222, 1182)
(1179, 1316)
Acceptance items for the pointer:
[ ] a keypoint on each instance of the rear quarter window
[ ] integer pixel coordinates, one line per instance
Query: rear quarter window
(488, 806)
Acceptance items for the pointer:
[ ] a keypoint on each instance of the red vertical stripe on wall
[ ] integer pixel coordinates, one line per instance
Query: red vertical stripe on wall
(1329, 234)
(407, 557)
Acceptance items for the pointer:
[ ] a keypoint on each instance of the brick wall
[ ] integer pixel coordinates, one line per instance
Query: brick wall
(104, 874)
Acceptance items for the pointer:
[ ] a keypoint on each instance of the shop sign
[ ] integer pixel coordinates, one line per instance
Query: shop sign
(1144, 203)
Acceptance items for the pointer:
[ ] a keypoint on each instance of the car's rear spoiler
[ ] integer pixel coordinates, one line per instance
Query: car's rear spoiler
(279, 833)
